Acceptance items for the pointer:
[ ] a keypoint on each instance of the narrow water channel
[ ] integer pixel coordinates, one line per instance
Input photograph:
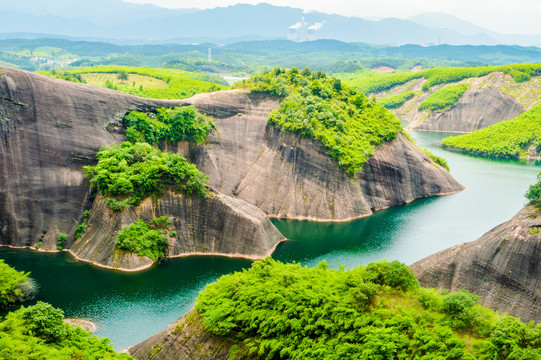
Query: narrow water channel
(129, 307)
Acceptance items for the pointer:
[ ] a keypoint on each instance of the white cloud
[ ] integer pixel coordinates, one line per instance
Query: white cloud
(317, 26)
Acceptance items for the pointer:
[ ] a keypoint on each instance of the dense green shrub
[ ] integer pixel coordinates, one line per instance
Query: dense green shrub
(374, 84)
(444, 98)
(15, 285)
(507, 139)
(38, 332)
(172, 125)
(291, 312)
(136, 171)
(396, 101)
(145, 239)
(534, 192)
(64, 75)
(347, 124)
(60, 240)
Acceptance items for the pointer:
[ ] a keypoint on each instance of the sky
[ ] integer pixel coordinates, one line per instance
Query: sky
(504, 16)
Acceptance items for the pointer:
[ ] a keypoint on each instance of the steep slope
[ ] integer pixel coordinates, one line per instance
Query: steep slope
(290, 176)
(491, 99)
(502, 267)
(49, 129)
(216, 225)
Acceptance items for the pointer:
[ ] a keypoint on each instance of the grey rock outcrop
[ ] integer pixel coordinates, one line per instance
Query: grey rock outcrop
(502, 267)
(49, 128)
(476, 109)
(184, 339)
(289, 176)
(216, 225)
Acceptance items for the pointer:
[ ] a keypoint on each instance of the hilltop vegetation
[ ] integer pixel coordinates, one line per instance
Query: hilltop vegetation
(286, 311)
(508, 139)
(439, 76)
(129, 173)
(347, 124)
(39, 332)
(145, 82)
(15, 286)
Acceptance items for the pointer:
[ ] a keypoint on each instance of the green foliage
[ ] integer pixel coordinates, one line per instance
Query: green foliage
(64, 75)
(38, 245)
(286, 311)
(45, 321)
(506, 139)
(442, 75)
(458, 302)
(347, 124)
(393, 274)
(60, 240)
(15, 285)
(81, 228)
(136, 171)
(38, 332)
(145, 239)
(438, 160)
(396, 101)
(534, 193)
(172, 125)
(374, 84)
(444, 98)
(181, 84)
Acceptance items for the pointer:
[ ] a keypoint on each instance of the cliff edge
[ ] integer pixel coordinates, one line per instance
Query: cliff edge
(502, 267)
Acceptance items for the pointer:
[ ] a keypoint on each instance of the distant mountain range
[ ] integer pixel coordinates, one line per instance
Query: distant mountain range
(115, 20)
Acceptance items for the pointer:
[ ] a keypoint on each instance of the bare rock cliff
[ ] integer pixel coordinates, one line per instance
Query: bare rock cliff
(289, 176)
(502, 267)
(49, 128)
(216, 225)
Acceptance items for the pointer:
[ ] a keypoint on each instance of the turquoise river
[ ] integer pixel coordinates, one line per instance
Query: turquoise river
(129, 307)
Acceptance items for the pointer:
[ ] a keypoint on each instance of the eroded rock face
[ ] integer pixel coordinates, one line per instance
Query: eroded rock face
(289, 176)
(216, 225)
(185, 339)
(476, 109)
(502, 267)
(49, 128)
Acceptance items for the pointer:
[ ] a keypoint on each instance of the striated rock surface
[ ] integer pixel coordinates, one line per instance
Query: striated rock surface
(49, 128)
(491, 99)
(502, 267)
(216, 225)
(185, 339)
(289, 176)
(476, 109)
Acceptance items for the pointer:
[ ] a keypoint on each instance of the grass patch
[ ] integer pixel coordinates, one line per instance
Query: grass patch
(146, 82)
(507, 139)
(444, 98)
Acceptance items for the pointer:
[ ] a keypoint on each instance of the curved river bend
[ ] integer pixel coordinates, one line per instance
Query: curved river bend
(129, 307)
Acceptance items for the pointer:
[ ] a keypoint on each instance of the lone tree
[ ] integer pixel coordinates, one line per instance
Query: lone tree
(122, 76)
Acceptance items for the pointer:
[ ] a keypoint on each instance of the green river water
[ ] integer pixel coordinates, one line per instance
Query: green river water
(129, 307)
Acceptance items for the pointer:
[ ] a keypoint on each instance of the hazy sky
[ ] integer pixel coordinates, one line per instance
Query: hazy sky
(506, 16)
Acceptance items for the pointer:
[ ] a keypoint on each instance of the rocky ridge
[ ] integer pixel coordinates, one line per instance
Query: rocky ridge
(502, 267)
(491, 99)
